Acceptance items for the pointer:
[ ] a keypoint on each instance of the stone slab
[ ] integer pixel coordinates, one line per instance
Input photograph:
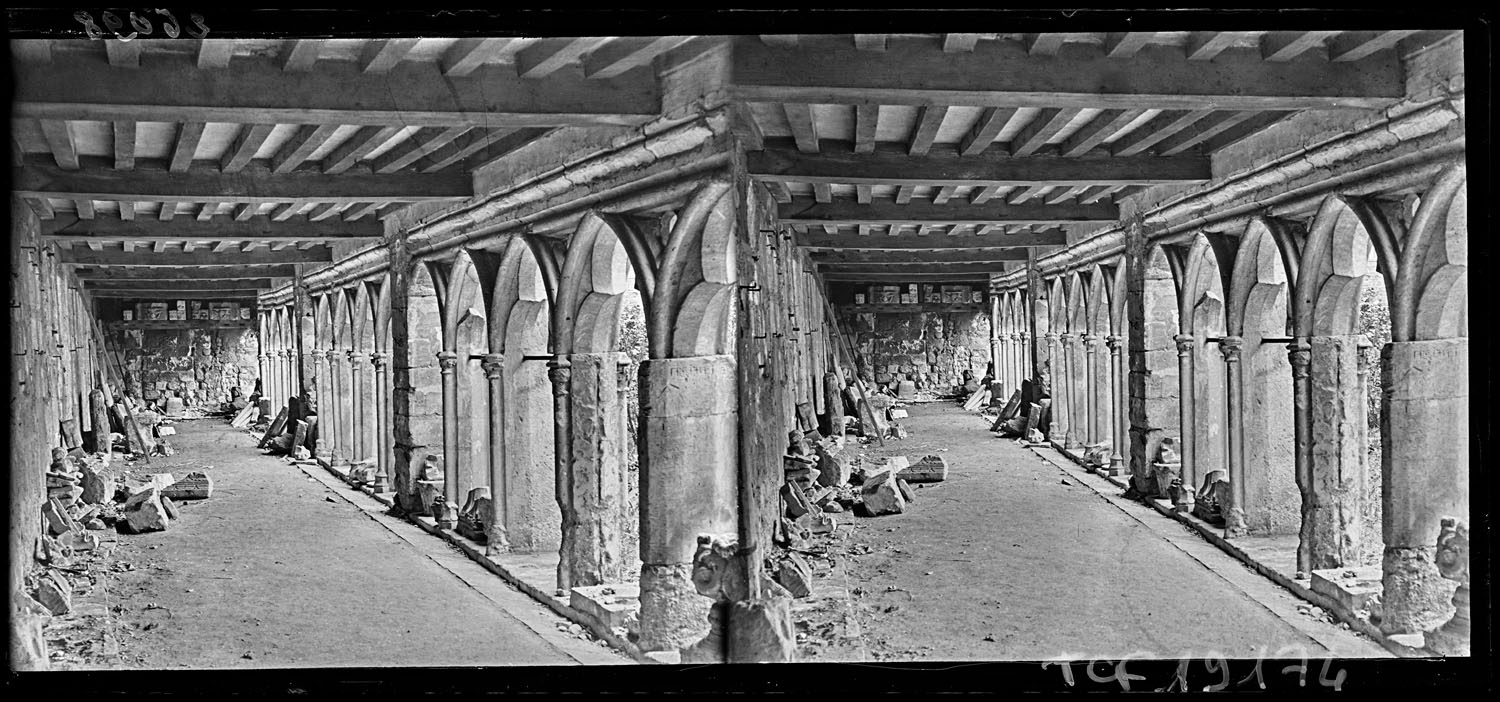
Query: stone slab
(610, 604)
(931, 468)
(1353, 593)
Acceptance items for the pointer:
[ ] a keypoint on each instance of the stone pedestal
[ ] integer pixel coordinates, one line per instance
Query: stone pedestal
(1425, 463)
(689, 486)
(597, 470)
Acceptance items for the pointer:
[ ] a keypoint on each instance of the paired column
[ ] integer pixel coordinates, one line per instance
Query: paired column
(1186, 421)
(357, 416)
(334, 407)
(1058, 432)
(494, 372)
(1118, 396)
(1234, 521)
(383, 436)
(448, 363)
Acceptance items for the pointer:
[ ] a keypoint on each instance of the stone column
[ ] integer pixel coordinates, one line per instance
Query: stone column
(1425, 468)
(560, 372)
(497, 537)
(384, 437)
(1299, 354)
(265, 377)
(1068, 383)
(689, 486)
(357, 420)
(596, 470)
(285, 379)
(997, 349)
(1186, 421)
(319, 367)
(1234, 520)
(1023, 355)
(448, 363)
(1094, 413)
(1058, 432)
(1117, 395)
(333, 431)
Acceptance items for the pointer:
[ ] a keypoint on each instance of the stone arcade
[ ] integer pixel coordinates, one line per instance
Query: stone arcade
(591, 277)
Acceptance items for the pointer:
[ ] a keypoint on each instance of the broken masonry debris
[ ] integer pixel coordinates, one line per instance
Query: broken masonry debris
(1212, 501)
(145, 512)
(478, 510)
(1452, 559)
(759, 629)
(881, 495)
(906, 491)
(196, 486)
(55, 593)
(931, 468)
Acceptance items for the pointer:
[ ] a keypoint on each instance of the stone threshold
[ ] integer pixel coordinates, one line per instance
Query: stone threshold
(1301, 588)
(533, 579)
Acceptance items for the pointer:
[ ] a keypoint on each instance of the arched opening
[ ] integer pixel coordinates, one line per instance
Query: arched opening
(1260, 316)
(342, 375)
(1075, 356)
(1101, 381)
(1155, 373)
(1203, 310)
(470, 341)
(423, 384)
(520, 330)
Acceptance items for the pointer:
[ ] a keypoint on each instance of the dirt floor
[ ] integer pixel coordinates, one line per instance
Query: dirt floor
(274, 570)
(1010, 559)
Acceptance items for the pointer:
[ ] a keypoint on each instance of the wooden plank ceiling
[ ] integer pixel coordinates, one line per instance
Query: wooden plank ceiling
(211, 168)
(213, 165)
(943, 156)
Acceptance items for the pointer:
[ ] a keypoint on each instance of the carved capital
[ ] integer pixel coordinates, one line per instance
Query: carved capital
(331, 354)
(1114, 342)
(264, 357)
(448, 362)
(319, 356)
(353, 357)
(1231, 346)
(1066, 337)
(493, 365)
(1299, 352)
(379, 359)
(1050, 337)
(1185, 344)
(1091, 342)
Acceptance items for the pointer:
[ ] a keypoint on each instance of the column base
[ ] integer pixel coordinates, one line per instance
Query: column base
(673, 614)
(1414, 596)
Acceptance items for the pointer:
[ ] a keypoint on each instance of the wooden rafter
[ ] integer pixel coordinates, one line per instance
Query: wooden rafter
(547, 56)
(917, 213)
(254, 185)
(800, 118)
(319, 254)
(419, 144)
(627, 53)
(124, 144)
(256, 227)
(296, 149)
(381, 56)
(188, 135)
(866, 122)
(246, 143)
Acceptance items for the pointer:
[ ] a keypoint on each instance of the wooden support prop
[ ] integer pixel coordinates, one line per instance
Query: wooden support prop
(99, 412)
(274, 430)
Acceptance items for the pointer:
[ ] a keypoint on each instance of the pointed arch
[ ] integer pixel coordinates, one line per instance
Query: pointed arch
(1431, 294)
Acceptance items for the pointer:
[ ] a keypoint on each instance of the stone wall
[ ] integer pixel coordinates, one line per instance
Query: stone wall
(931, 349)
(200, 364)
(51, 371)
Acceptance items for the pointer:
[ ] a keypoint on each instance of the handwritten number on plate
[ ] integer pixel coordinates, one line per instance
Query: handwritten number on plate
(170, 27)
(89, 27)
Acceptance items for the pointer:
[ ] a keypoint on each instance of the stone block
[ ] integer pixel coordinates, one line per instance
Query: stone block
(895, 464)
(55, 593)
(833, 469)
(906, 492)
(611, 605)
(761, 631)
(795, 575)
(169, 507)
(931, 468)
(881, 495)
(794, 502)
(145, 512)
(58, 521)
(1352, 588)
(196, 486)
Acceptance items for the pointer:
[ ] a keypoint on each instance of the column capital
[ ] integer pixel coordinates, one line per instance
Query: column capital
(1113, 341)
(1050, 336)
(493, 365)
(319, 356)
(1185, 343)
(1066, 337)
(1231, 346)
(448, 361)
(353, 357)
(264, 357)
(379, 359)
(560, 372)
(1092, 339)
(331, 354)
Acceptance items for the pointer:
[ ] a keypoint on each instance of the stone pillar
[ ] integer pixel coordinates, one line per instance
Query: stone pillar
(1234, 520)
(1299, 354)
(333, 430)
(560, 371)
(997, 347)
(1186, 422)
(385, 476)
(1077, 421)
(497, 537)
(1425, 468)
(1094, 413)
(1023, 370)
(1058, 432)
(265, 375)
(318, 391)
(358, 423)
(448, 363)
(1117, 396)
(1333, 370)
(596, 470)
(689, 486)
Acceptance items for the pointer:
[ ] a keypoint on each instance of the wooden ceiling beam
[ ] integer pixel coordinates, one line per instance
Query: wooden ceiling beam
(299, 55)
(254, 185)
(1204, 46)
(908, 277)
(870, 42)
(214, 53)
(830, 71)
(246, 143)
(60, 142)
(296, 149)
(1353, 46)
(180, 294)
(160, 288)
(954, 43)
(916, 213)
(547, 56)
(124, 144)
(1101, 127)
(356, 147)
(1044, 44)
(940, 167)
(627, 53)
(188, 136)
(413, 93)
(1160, 127)
(477, 140)
(1126, 44)
(256, 227)
(188, 273)
(866, 122)
(929, 120)
(467, 55)
(123, 54)
(1280, 47)
(381, 55)
(991, 122)
(1201, 131)
(800, 118)
(1045, 125)
(897, 257)
(216, 258)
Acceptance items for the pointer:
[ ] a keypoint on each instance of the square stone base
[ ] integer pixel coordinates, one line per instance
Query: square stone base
(1353, 593)
(611, 605)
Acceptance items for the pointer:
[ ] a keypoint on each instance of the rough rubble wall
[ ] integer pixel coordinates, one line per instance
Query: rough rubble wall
(200, 365)
(50, 371)
(931, 349)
